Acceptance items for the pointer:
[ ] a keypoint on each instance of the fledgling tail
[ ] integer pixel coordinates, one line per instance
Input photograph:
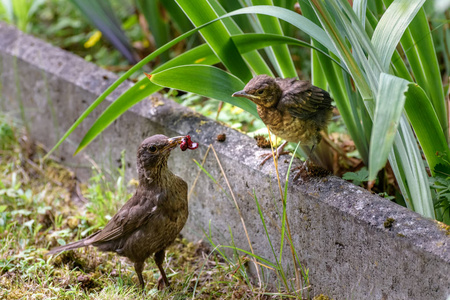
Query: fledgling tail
(71, 246)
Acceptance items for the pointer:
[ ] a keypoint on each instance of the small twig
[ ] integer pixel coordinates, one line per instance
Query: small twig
(338, 150)
(79, 193)
(244, 260)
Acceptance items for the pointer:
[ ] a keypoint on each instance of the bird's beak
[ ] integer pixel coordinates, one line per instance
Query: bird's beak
(245, 95)
(175, 141)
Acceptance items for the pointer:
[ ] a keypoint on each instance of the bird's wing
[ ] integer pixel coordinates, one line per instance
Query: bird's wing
(134, 214)
(302, 99)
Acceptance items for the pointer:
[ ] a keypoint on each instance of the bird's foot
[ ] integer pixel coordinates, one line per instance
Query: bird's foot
(162, 284)
(309, 169)
(302, 170)
(268, 156)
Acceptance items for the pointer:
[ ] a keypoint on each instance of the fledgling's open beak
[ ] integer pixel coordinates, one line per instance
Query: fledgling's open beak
(175, 141)
(245, 95)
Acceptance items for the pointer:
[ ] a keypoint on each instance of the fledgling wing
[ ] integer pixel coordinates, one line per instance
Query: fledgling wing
(302, 99)
(134, 214)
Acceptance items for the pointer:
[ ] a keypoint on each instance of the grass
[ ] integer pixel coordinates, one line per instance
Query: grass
(43, 205)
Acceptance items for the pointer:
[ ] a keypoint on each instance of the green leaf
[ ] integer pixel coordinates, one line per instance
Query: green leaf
(343, 50)
(357, 177)
(390, 101)
(157, 25)
(217, 36)
(253, 58)
(427, 128)
(177, 16)
(61, 242)
(442, 170)
(101, 15)
(251, 41)
(291, 17)
(391, 27)
(407, 163)
(279, 54)
(418, 46)
(207, 81)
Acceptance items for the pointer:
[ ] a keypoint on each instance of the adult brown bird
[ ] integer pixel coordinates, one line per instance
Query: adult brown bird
(293, 109)
(151, 220)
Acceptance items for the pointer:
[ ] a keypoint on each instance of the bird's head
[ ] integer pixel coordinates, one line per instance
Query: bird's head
(262, 90)
(154, 152)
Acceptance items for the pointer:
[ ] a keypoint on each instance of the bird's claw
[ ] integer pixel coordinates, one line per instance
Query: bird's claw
(303, 168)
(161, 284)
(268, 156)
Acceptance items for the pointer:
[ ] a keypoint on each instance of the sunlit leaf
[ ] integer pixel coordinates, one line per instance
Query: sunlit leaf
(390, 102)
(207, 81)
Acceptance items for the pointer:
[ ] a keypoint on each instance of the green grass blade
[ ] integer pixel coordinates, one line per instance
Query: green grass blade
(260, 258)
(284, 200)
(279, 266)
(207, 81)
(390, 102)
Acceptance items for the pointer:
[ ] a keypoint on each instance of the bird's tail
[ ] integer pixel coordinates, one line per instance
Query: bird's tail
(71, 246)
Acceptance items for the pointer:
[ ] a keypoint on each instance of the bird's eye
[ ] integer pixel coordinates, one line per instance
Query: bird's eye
(152, 149)
(260, 92)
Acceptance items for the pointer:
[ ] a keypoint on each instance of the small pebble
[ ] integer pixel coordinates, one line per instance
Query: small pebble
(221, 137)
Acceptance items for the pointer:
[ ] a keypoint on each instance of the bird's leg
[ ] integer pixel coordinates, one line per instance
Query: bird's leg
(139, 267)
(304, 165)
(159, 259)
(278, 153)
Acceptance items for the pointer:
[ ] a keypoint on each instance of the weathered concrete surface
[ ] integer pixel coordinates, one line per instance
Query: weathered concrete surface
(337, 227)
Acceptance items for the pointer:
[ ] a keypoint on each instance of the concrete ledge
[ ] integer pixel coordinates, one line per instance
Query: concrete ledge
(338, 228)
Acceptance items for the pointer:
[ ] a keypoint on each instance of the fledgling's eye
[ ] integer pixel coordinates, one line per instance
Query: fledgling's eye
(260, 92)
(152, 149)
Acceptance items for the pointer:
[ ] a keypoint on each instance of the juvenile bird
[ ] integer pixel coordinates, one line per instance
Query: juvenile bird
(152, 218)
(293, 109)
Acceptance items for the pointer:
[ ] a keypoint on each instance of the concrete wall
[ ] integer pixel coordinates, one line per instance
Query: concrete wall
(337, 227)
